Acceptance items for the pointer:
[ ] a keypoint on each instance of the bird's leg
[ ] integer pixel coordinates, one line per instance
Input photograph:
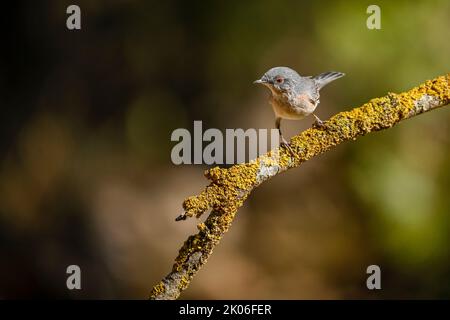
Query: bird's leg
(318, 123)
(284, 143)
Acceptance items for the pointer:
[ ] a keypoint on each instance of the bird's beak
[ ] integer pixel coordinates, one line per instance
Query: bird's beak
(259, 81)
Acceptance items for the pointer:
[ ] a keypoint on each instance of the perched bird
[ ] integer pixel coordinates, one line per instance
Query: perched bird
(294, 96)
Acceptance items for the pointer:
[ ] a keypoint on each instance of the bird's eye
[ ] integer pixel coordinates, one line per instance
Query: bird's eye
(279, 80)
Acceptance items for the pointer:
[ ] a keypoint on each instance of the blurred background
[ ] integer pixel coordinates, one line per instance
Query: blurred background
(86, 176)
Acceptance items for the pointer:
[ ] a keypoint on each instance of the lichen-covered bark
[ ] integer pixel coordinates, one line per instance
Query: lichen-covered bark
(229, 188)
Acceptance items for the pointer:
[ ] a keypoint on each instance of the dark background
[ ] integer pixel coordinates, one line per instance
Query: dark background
(85, 170)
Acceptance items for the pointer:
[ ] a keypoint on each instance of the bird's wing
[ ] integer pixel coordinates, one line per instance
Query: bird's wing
(307, 85)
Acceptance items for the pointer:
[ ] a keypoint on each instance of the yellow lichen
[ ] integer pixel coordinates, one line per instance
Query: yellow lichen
(157, 290)
(184, 282)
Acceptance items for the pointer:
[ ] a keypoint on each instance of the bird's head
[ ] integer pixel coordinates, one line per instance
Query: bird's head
(279, 79)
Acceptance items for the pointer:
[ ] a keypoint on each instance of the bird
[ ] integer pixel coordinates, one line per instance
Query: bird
(293, 96)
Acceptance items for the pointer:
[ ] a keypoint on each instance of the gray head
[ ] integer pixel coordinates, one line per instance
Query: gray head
(279, 79)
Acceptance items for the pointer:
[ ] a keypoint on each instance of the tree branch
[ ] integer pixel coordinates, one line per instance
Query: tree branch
(229, 188)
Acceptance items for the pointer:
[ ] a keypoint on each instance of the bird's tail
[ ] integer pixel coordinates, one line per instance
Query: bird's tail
(325, 78)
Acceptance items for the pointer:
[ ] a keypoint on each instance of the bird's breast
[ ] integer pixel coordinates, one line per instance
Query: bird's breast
(293, 107)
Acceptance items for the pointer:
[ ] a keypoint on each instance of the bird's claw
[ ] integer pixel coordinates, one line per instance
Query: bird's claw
(319, 124)
(286, 145)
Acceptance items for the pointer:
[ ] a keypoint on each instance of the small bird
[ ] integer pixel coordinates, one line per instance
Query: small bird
(294, 96)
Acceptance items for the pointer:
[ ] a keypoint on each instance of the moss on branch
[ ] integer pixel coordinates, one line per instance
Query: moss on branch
(230, 187)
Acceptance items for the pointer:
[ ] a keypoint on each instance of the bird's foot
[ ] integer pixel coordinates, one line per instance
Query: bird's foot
(286, 145)
(319, 124)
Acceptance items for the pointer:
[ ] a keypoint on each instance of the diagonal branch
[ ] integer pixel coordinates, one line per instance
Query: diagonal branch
(229, 188)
